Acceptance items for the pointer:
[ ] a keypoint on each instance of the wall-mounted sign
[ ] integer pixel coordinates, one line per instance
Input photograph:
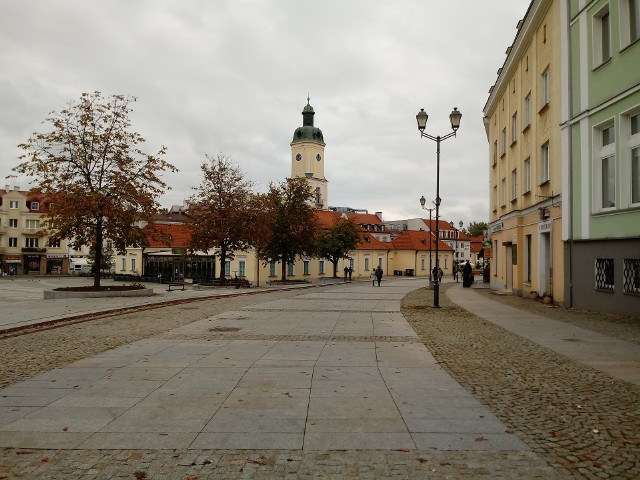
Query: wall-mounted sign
(544, 227)
(496, 227)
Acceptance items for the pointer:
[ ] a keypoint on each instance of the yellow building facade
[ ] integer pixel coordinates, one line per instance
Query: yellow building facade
(521, 116)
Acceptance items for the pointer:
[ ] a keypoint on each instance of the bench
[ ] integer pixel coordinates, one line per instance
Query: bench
(175, 285)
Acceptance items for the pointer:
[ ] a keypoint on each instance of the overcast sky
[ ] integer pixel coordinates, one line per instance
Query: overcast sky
(232, 77)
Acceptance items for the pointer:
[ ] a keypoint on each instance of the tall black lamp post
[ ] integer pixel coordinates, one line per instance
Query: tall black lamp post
(422, 118)
(422, 203)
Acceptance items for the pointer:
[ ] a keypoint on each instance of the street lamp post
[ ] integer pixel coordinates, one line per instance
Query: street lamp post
(422, 203)
(456, 262)
(422, 118)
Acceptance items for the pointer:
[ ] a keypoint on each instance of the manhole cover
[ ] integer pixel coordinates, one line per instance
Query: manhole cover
(224, 329)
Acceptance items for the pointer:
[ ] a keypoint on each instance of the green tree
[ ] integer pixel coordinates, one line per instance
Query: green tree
(102, 186)
(475, 228)
(335, 242)
(293, 224)
(220, 211)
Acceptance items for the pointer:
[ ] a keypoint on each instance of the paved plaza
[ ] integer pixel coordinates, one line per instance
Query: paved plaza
(335, 374)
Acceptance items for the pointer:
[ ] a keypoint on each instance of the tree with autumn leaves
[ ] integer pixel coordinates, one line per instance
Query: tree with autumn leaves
(100, 184)
(336, 241)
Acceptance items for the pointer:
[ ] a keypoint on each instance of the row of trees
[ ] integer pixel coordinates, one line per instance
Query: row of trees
(102, 187)
(227, 215)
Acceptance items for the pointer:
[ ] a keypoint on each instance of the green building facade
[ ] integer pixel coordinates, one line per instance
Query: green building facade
(601, 155)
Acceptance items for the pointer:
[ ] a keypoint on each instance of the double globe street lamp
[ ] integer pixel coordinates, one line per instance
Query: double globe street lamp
(422, 118)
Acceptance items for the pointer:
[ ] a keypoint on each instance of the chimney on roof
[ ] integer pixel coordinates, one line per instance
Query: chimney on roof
(16, 188)
(7, 187)
(379, 215)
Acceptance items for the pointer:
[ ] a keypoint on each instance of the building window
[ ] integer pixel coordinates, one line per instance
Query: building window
(321, 267)
(544, 88)
(31, 242)
(352, 263)
(601, 37)
(527, 111)
(54, 243)
(133, 265)
(290, 267)
(503, 141)
(544, 163)
(606, 167)
(124, 264)
(305, 267)
(227, 268)
(32, 224)
(423, 263)
(527, 175)
(272, 269)
(514, 184)
(631, 276)
(242, 268)
(634, 154)
(503, 192)
(514, 127)
(604, 274)
(527, 258)
(494, 266)
(495, 198)
(13, 242)
(629, 21)
(13, 204)
(495, 153)
(35, 205)
(366, 264)
(13, 223)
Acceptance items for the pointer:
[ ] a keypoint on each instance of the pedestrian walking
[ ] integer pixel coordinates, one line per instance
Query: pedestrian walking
(373, 278)
(346, 272)
(350, 272)
(440, 274)
(379, 273)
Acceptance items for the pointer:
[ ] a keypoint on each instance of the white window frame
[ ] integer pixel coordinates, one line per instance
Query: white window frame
(123, 264)
(13, 242)
(13, 223)
(133, 264)
(242, 267)
(632, 142)
(629, 16)
(514, 184)
(14, 204)
(601, 25)
(321, 267)
(305, 267)
(527, 111)
(495, 153)
(600, 153)
(31, 242)
(544, 88)
(527, 175)
(35, 206)
(503, 142)
(32, 224)
(545, 163)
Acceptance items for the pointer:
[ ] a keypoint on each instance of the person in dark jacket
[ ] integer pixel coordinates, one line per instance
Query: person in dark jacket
(467, 275)
(379, 273)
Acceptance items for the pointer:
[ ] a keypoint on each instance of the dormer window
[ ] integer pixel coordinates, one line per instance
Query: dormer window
(35, 205)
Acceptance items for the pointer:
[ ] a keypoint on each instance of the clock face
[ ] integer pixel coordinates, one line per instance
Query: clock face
(318, 157)
(298, 157)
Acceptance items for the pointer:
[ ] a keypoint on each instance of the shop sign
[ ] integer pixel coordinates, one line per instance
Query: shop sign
(55, 255)
(544, 227)
(497, 227)
(488, 253)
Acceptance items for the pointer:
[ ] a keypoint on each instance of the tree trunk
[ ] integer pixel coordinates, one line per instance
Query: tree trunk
(223, 259)
(335, 268)
(97, 257)
(258, 267)
(284, 270)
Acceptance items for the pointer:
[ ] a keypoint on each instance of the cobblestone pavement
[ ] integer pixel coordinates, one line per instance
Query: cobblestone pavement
(579, 423)
(583, 421)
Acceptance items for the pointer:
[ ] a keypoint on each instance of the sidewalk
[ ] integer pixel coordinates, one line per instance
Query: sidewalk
(615, 357)
(332, 369)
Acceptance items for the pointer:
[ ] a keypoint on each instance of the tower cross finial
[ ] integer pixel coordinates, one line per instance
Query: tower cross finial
(308, 99)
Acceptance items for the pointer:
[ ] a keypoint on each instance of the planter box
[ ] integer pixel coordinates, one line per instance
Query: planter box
(53, 294)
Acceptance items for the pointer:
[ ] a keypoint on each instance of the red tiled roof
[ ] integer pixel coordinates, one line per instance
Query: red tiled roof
(369, 242)
(180, 235)
(418, 240)
(327, 218)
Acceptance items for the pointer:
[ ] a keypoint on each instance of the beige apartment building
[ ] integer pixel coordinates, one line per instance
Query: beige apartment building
(23, 249)
(521, 116)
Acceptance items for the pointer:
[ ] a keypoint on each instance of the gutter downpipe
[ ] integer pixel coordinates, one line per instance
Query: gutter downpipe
(570, 150)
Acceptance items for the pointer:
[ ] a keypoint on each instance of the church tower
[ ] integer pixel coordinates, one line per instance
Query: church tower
(307, 157)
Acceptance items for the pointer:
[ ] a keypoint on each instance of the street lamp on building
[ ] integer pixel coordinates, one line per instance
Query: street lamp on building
(422, 118)
(423, 201)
